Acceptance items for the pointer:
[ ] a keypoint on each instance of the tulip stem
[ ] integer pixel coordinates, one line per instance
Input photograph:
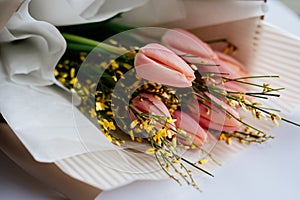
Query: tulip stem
(290, 122)
(85, 47)
(248, 137)
(231, 115)
(253, 84)
(192, 164)
(154, 145)
(269, 113)
(251, 77)
(206, 98)
(254, 93)
(94, 43)
(272, 109)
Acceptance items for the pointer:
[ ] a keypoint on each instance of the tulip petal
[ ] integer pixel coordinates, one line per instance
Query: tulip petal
(231, 66)
(153, 71)
(191, 127)
(234, 69)
(168, 58)
(185, 43)
(149, 104)
(206, 123)
(216, 118)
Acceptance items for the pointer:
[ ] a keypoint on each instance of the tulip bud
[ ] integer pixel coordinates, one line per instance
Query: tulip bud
(156, 63)
(227, 65)
(189, 46)
(148, 104)
(213, 117)
(234, 69)
(231, 66)
(192, 129)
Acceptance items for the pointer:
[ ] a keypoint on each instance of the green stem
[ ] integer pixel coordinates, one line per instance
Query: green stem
(86, 41)
(250, 77)
(253, 84)
(288, 121)
(84, 47)
(267, 112)
(254, 93)
(192, 164)
(230, 114)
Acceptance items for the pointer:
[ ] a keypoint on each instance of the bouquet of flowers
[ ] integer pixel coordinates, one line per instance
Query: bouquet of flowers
(165, 92)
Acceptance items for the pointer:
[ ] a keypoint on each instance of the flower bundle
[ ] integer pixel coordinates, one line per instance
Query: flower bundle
(171, 91)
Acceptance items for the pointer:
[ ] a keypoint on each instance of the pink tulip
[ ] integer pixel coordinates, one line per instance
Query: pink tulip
(229, 68)
(227, 65)
(234, 69)
(191, 127)
(215, 117)
(147, 103)
(195, 51)
(189, 46)
(156, 63)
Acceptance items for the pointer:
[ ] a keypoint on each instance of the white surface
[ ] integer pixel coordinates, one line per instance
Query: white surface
(15, 184)
(282, 16)
(261, 172)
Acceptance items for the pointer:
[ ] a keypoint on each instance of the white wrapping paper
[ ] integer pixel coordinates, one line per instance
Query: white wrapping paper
(67, 12)
(40, 113)
(30, 49)
(191, 14)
